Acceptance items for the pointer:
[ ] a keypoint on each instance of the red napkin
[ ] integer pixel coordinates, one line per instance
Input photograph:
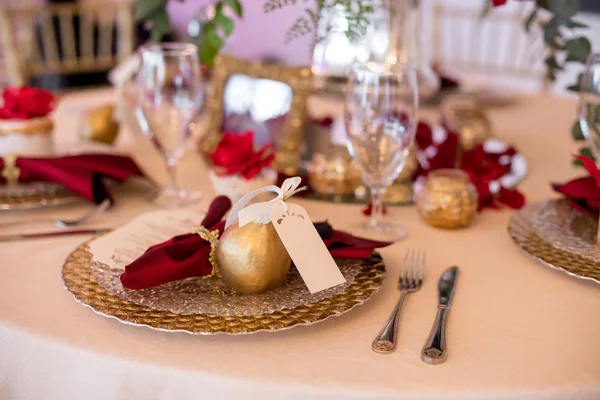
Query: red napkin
(584, 193)
(83, 174)
(186, 256)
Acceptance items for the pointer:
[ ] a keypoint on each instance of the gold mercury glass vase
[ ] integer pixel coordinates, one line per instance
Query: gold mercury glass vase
(448, 200)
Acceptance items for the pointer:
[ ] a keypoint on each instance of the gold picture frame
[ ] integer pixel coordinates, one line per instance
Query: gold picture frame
(287, 156)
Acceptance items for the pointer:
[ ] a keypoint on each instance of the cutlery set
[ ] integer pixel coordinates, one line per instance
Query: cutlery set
(411, 278)
(64, 224)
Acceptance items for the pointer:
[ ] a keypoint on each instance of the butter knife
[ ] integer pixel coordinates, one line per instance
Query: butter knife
(434, 351)
(43, 235)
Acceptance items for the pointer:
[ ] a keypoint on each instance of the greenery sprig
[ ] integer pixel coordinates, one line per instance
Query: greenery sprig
(214, 31)
(563, 44)
(357, 12)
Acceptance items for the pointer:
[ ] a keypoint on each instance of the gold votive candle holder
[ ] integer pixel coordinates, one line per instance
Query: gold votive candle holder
(448, 200)
(468, 119)
(334, 173)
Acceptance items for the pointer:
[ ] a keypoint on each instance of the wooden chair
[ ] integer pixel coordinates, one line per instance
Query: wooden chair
(494, 46)
(42, 41)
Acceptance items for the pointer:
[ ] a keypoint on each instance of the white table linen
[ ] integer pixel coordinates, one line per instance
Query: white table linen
(517, 330)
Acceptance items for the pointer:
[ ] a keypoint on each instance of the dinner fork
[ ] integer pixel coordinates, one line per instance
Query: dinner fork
(66, 223)
(411, 279)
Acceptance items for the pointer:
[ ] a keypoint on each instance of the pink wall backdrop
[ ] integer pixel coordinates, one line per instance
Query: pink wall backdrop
(257, 36)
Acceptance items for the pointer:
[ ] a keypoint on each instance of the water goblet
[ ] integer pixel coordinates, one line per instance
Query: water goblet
(381, 118)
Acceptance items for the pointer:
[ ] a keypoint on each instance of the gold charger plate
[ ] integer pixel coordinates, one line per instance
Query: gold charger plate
(77, 278)
(27, 196)
(559, 236)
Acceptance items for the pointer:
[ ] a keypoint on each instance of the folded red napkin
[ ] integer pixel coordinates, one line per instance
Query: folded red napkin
(83, 173)
(584, 193)
(186, 256)
(446, 82)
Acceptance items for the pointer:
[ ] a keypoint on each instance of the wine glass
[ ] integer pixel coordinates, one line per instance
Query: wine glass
(169, 96)
(381, 119)
(589, 103)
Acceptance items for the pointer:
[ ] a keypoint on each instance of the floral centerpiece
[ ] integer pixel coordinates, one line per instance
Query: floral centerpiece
(238, 167)
(25, 127)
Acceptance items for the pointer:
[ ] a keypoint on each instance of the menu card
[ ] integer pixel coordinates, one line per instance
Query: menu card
(127, 243)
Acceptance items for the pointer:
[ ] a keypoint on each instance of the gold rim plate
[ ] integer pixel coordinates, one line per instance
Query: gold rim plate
(76, 274)
(527, 230)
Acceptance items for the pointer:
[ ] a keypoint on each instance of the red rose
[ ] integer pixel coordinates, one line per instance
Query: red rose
(496, 3)
(26, 103)
(36, 102)
(235, 155)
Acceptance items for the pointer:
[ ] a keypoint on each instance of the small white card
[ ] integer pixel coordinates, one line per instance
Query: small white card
(127, 243)
(306, 248)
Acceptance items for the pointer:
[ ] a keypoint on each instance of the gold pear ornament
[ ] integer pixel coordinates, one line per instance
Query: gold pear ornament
(100, 125)
(252, 259)
(250, 256)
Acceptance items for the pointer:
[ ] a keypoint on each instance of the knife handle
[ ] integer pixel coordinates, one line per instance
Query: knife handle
(434, 351)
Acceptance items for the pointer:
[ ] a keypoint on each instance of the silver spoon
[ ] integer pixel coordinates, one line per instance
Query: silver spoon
(66, 223)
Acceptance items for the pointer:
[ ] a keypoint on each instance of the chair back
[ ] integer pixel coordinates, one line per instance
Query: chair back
(64, 38)
(496, 45)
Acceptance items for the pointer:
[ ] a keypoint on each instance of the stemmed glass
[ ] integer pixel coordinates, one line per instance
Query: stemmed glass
(381, 119)
(589, 103)
(169, 96)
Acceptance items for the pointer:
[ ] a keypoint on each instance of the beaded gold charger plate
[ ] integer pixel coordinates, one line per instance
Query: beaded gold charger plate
(78, 278)
(26, 196)
(558, 236)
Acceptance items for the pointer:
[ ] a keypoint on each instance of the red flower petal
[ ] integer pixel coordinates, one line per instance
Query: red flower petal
(590, 166)
(368, 210)
(512, 198)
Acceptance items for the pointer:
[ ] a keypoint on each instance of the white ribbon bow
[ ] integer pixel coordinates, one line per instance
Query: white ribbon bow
(261, 212)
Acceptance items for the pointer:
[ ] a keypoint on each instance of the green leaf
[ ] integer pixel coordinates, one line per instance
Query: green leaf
(486, 10)
(236, 6)
(564, 8)
(577, 132)
(219, 8)
(575, 24)
(552, 64)
(211, 38)
(225, 22)
(551, 32)
(530, 19)
(160, 24)
(587, 151)
(578, 49)
(144, 8)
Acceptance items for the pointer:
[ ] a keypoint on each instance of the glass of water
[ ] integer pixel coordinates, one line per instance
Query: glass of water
(381, 119)
(169, 96)
(589, 103)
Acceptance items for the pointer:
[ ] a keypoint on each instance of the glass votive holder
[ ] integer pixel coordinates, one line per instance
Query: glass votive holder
(448, 200)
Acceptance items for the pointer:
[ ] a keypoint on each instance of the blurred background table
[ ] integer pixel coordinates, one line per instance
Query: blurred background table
(517, 331)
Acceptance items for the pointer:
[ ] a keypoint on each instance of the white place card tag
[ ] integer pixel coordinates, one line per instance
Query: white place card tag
(306, 248)
(127, 243)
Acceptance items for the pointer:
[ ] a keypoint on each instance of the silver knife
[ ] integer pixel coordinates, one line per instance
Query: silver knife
(42, 235)
(434, 351)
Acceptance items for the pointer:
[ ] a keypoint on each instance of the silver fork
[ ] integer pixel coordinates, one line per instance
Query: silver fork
(411, 279)
(66, 223)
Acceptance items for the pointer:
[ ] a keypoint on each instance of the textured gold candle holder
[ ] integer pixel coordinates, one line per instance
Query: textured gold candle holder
(334, 173)
(465, 117)
(448, 200)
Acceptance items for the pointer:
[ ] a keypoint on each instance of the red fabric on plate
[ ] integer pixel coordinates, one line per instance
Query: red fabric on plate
(83, 174)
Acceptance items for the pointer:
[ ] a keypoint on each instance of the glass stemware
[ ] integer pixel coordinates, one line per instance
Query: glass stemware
(589, 103)
(169, 96)
(381, 119)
